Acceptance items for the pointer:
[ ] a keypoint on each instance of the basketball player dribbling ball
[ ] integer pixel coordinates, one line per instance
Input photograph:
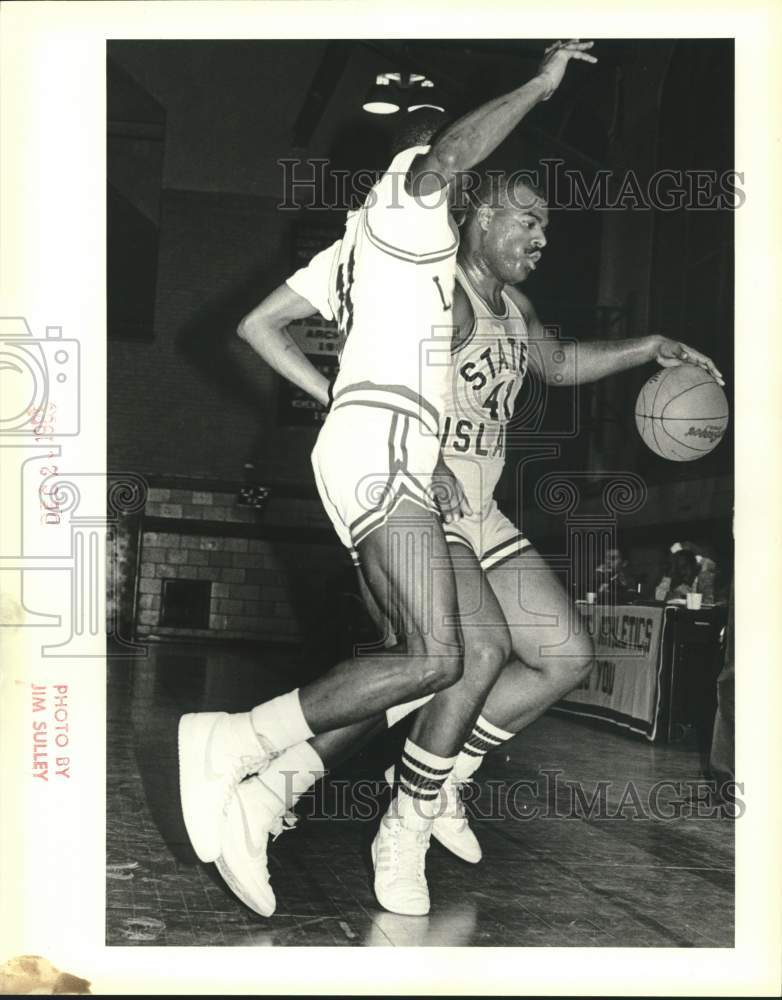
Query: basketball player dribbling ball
(526, 614)
(374, 465)
(496, 335)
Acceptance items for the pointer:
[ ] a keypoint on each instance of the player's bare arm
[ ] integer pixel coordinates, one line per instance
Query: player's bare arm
(595, 359)
(470, 139)
(264, 329)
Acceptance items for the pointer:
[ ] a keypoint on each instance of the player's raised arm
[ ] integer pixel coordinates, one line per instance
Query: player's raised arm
(469, 140)
(264, 329)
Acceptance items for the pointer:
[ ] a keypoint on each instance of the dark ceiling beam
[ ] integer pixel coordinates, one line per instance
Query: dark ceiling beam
(321, 90)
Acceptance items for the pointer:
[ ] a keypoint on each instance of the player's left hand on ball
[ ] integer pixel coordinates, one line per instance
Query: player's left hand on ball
(449, 494)
(673, 352)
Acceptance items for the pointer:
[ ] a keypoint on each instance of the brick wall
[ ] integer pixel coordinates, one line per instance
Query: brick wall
(266, 571)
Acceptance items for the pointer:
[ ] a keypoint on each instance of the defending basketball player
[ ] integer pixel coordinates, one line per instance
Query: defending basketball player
(374, 465)
(525, 611)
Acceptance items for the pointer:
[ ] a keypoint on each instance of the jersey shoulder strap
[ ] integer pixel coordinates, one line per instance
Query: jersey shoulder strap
(514, 312)
(474, 303)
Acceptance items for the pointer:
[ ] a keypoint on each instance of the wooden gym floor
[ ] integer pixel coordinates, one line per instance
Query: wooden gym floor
(552, 875)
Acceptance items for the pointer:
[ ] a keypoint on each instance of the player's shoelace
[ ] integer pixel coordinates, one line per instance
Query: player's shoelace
(246, 764)
(282, 823)
(454, 804)
(407, 861)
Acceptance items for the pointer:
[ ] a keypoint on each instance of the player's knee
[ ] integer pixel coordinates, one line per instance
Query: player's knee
(569, 666)
(486, 653)
(578, 663)
(450, 669)
(436, 673)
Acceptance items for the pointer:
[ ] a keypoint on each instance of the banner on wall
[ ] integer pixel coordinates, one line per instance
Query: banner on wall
(319, 340)
(625, 684)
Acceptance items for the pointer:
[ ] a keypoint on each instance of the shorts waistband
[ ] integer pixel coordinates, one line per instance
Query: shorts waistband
(390, 397)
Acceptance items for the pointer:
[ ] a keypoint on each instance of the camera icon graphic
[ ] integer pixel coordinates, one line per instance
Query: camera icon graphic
(39, 381)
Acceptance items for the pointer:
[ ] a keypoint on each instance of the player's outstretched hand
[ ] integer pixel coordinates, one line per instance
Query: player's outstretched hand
(673, 352)
(556, 58)
(449, 494)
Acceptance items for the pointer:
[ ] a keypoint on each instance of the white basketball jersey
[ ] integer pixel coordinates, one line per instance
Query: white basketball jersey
(390, 289)
(486, 375)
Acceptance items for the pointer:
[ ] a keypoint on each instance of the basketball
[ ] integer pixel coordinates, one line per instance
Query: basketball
(681, 413)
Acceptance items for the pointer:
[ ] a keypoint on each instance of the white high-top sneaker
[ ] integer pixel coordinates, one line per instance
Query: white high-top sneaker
(213, 759)
(253, 816)
(451, 826)
(399, 857)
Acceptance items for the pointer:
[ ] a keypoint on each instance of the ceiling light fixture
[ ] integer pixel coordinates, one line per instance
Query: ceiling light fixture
(425, 95)
(382, 99)
(392, 91)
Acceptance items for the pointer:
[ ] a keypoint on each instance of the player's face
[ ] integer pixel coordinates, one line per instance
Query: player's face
(515, 237)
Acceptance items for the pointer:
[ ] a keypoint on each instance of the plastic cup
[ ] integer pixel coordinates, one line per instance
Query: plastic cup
(591, 598)
(694, 601)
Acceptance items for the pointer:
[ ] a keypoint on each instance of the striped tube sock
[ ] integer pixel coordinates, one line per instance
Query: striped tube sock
(485, 736)
(421, 776)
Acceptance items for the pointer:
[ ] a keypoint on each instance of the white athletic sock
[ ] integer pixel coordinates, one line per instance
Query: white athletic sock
(485, 736)
(421, 776)
(292, 774)
(399, 712)
(281, 721)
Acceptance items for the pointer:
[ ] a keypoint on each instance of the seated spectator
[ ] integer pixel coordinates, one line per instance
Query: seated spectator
(613, 576)
(707, 569)
(682, 579)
